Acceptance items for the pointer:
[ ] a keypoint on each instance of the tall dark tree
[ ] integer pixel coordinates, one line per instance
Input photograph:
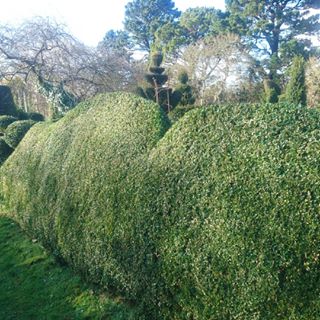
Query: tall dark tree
(201, 22)
(144, 17)
(193, 25)
(268, 24)
(118, 42)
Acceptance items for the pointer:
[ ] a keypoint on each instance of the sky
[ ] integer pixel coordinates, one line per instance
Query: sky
(86, 20)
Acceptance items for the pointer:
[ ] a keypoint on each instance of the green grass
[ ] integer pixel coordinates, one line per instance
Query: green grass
(33, 286)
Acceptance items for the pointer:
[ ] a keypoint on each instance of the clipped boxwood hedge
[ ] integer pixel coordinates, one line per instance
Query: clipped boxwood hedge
(76, 174)
(16, 131)
(178, 112)
(219, 219)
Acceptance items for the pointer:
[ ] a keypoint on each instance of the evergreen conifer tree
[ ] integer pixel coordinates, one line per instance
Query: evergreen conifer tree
(296, 87)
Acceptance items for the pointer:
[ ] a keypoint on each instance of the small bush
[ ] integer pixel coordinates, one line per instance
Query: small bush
(16, 131)
(21, 114)
(5, 121)
(35, 116)
(5, 151)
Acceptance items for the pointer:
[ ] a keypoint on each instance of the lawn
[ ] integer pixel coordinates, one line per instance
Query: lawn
(34, 286)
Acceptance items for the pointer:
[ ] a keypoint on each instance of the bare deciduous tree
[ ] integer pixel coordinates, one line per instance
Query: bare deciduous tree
(66, 71)
(312, 82)
(216, 65)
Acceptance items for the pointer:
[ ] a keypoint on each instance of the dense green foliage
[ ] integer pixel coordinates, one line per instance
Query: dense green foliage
(272, 91)
(219, 219)
(35, 116)
(5, 121)
(5, 151)
(92, 150)
(275, 27)
(178, 112)
(16, 131)
(296, 91)
(34, 286)
(7, 106)
(240, 205)
(144, 17)
(186, 96)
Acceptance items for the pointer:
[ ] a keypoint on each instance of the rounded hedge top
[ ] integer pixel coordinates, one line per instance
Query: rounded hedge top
(75, 174)
(219, 219)
(16, 131)
(239, 201)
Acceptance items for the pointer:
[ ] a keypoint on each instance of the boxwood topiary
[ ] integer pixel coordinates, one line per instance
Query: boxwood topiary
(16, 131)
(179, 111)
(77, 173)
(238, 192)
(219, 219)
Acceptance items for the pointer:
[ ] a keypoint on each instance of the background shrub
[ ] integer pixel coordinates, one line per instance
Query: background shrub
(35, 116)
(7, 106)
(219, 219)
(5, 121)
(16, 131)
(5, 151)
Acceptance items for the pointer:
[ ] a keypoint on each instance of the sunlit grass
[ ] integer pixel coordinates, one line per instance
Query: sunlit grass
(34, 286)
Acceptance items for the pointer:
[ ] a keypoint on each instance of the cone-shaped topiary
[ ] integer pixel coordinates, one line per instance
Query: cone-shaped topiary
(296, 87)
(16, 131)
(272, 91)
(186, 96)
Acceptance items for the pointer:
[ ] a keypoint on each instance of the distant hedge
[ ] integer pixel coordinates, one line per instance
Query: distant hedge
(219, 219)
(16, 131)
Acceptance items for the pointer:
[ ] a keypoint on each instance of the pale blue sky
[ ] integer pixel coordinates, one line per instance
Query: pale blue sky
(87, 20)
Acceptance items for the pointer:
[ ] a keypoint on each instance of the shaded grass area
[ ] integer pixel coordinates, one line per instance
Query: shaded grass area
(34, 286)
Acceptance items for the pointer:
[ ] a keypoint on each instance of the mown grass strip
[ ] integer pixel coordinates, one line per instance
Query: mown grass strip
(34, 286)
